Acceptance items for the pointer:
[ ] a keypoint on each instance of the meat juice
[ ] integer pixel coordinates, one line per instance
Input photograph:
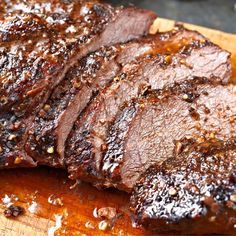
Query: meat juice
(54, 205)
(234, 69)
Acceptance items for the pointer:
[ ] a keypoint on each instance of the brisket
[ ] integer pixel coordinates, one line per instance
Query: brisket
(39, 42)
(194, 192)
(154, 115)
(90, 75)
(150, 131)
(87, 142)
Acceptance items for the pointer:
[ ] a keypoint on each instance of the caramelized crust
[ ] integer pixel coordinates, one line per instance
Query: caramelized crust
(82, 82)
(194, 63)
(194, 192)
(39, 41)
(68, 99)
(149, 130)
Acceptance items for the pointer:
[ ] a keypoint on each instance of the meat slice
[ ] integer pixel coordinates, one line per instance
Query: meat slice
(150, 131)
(39, 42)
(87, 141)
(84, 81)
(194, 192)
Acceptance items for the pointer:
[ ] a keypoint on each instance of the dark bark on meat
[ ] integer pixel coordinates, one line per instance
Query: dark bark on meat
(69, 98)
(82, 83)
(39, 42)
(193, 192)
(159, 107)
(87, 142)
(157, 125)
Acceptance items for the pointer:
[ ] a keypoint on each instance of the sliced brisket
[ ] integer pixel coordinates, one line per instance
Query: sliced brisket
(39, 42)
(194, 192)
(150, 131)
(90, 75)
(87, 142)
(55, 120)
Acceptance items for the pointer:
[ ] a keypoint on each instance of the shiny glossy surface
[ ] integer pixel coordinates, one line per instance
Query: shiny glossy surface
(34, 188)
(38, 191)
(47, 196)
(193, 192)
(234, 68)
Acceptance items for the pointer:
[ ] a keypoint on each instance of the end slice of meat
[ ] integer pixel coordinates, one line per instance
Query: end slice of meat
(39, 42)
(150, 131)
(86, 144)
(82, 82)
(54, 121)
(194, 192)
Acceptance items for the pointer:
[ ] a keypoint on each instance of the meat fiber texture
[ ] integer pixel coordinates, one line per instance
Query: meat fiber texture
(89, 146)
(193, 192)
(83, 82)
(74, 95)
(39, 42)
(149, 131)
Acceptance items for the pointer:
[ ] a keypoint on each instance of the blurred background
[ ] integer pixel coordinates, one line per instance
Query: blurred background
(216, 14)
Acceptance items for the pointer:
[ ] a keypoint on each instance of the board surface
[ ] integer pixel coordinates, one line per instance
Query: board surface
(52, 201)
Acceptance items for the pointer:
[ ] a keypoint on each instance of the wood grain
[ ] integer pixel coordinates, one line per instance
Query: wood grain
(225, 40)
(37, 185)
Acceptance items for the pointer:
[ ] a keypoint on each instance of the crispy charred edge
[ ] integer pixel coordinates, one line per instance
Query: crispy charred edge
(113, 15)
(87, 169)
(113, 154)
(82, 168)
(108, 16)
(50, 69)
(129, 110)
(13, 127)
(116, 134)
(39, 143)
(88, 172)
(164, 37)
(20, 25)
(108, 53)
(114, 137)
(213, 211)
(24, 28)
(18, 29)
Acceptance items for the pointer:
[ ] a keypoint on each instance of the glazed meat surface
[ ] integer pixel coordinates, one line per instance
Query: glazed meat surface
(82, 82)
(82, 87)
(199, 62)
(194, 192)
(150, 131)
(39, 42)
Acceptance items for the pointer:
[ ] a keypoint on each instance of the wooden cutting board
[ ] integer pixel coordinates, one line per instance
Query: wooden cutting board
(51, 201)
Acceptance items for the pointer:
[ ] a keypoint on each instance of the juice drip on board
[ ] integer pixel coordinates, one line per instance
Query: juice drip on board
(53, 206)
(234, 69)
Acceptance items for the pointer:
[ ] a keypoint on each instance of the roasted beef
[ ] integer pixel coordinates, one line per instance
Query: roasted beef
(194, 192)
(82, 83)
(197, 62)
(39, 42)
(150, 131)
(154, 115)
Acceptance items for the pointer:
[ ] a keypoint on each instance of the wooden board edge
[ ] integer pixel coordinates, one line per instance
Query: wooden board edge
(224, 40)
